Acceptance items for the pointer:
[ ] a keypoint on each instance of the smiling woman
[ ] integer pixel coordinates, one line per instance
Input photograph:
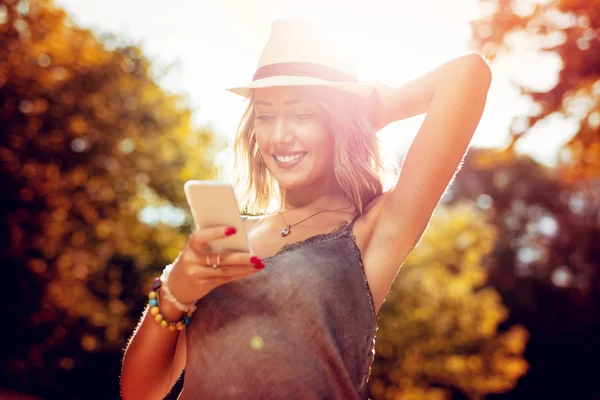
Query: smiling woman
(304, 326)
(308, 139)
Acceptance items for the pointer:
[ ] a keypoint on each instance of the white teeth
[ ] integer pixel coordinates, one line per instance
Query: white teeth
(288, 159)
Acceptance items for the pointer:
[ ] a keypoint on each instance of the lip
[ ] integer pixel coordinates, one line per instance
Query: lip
(292, 153)
(291, 164)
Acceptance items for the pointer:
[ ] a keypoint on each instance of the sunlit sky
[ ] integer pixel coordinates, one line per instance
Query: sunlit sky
(216, 45)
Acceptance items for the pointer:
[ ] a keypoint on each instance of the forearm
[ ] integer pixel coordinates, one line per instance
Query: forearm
(149, 358)
(414, 97)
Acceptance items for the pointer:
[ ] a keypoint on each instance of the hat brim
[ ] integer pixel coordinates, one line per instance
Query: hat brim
(361, 89)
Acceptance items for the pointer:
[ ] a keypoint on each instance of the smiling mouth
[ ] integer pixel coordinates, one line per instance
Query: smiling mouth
(288, 159)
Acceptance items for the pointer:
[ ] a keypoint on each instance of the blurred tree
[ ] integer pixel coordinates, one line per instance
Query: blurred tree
(545, 264)
(565, 29)
(438, 328)
(89, 144)
(548, 229)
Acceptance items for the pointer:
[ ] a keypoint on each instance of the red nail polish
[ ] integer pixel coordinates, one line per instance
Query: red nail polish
(230, 231)
(259, 265)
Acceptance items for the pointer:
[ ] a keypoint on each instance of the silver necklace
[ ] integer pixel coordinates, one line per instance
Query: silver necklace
(288, 228)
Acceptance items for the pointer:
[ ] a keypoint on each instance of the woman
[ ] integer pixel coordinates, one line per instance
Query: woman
(297, 319)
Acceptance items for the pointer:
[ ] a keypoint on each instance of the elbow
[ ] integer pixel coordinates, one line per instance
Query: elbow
(132, 390)
(478, 69)
(471, 69)
(127, 391)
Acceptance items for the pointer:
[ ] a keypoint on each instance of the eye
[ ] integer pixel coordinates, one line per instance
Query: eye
(263, 118)
(303, 116)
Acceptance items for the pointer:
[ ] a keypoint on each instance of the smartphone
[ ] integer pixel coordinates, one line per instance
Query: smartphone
(213, 203)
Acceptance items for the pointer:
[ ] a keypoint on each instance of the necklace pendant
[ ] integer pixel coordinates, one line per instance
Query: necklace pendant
(285, 231)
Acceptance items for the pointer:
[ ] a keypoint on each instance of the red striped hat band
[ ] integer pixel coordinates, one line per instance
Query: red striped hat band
(314, 70)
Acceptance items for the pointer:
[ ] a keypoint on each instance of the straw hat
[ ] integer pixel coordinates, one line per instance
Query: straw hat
(297, 54)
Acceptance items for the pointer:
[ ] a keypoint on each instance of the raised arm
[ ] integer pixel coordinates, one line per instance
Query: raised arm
(454, 96)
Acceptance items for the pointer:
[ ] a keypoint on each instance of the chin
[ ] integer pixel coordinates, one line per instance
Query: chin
(292, 184)
(296, 178)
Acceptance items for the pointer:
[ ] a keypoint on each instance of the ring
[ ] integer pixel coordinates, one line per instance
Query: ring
(215, 266)
(209, 263)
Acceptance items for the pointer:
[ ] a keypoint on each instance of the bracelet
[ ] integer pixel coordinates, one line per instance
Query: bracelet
(158, 317)
(189, 307)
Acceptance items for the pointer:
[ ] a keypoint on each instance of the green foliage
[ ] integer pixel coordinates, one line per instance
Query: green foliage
(89, 139)
(545, 265)
(546, 261)
(438, 328)
(568, 29)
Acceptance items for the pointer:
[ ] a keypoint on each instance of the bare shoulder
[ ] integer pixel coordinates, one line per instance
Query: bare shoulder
(372, 251)
(366, 223)
(249, 221)
(372, 210)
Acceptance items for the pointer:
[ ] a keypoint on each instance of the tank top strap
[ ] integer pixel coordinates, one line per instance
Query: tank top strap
(351, 224)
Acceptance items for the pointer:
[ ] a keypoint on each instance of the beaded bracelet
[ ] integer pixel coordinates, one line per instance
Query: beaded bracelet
(169, 296)
(158, 317)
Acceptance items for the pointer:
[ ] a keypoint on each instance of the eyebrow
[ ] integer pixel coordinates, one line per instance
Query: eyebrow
(287, 103)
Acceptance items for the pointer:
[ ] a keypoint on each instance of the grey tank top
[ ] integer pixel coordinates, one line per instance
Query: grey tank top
(302, 328)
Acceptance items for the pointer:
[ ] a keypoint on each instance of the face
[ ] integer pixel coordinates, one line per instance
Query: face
(292, 137)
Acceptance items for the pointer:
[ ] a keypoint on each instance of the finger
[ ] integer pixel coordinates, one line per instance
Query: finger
(209, 258)
(200, 238)
(233, 258)
(227, 279)
(203, 272)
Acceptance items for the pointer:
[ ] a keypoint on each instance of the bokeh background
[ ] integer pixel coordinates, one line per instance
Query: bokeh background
(108, 107)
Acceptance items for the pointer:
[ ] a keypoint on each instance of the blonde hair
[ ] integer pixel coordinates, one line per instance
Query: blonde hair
(357, 153)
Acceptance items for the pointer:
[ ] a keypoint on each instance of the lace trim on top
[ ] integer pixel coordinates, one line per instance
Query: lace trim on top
(358, 255)
(343, 228)
(322, 237)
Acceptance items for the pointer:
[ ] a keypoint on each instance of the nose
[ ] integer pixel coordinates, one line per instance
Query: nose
(281, 131)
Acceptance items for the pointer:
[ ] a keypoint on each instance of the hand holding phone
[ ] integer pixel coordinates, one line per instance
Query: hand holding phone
(213, 203)
(192, 277)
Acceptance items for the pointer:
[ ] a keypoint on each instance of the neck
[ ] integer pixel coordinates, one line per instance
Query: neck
(328, 196)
